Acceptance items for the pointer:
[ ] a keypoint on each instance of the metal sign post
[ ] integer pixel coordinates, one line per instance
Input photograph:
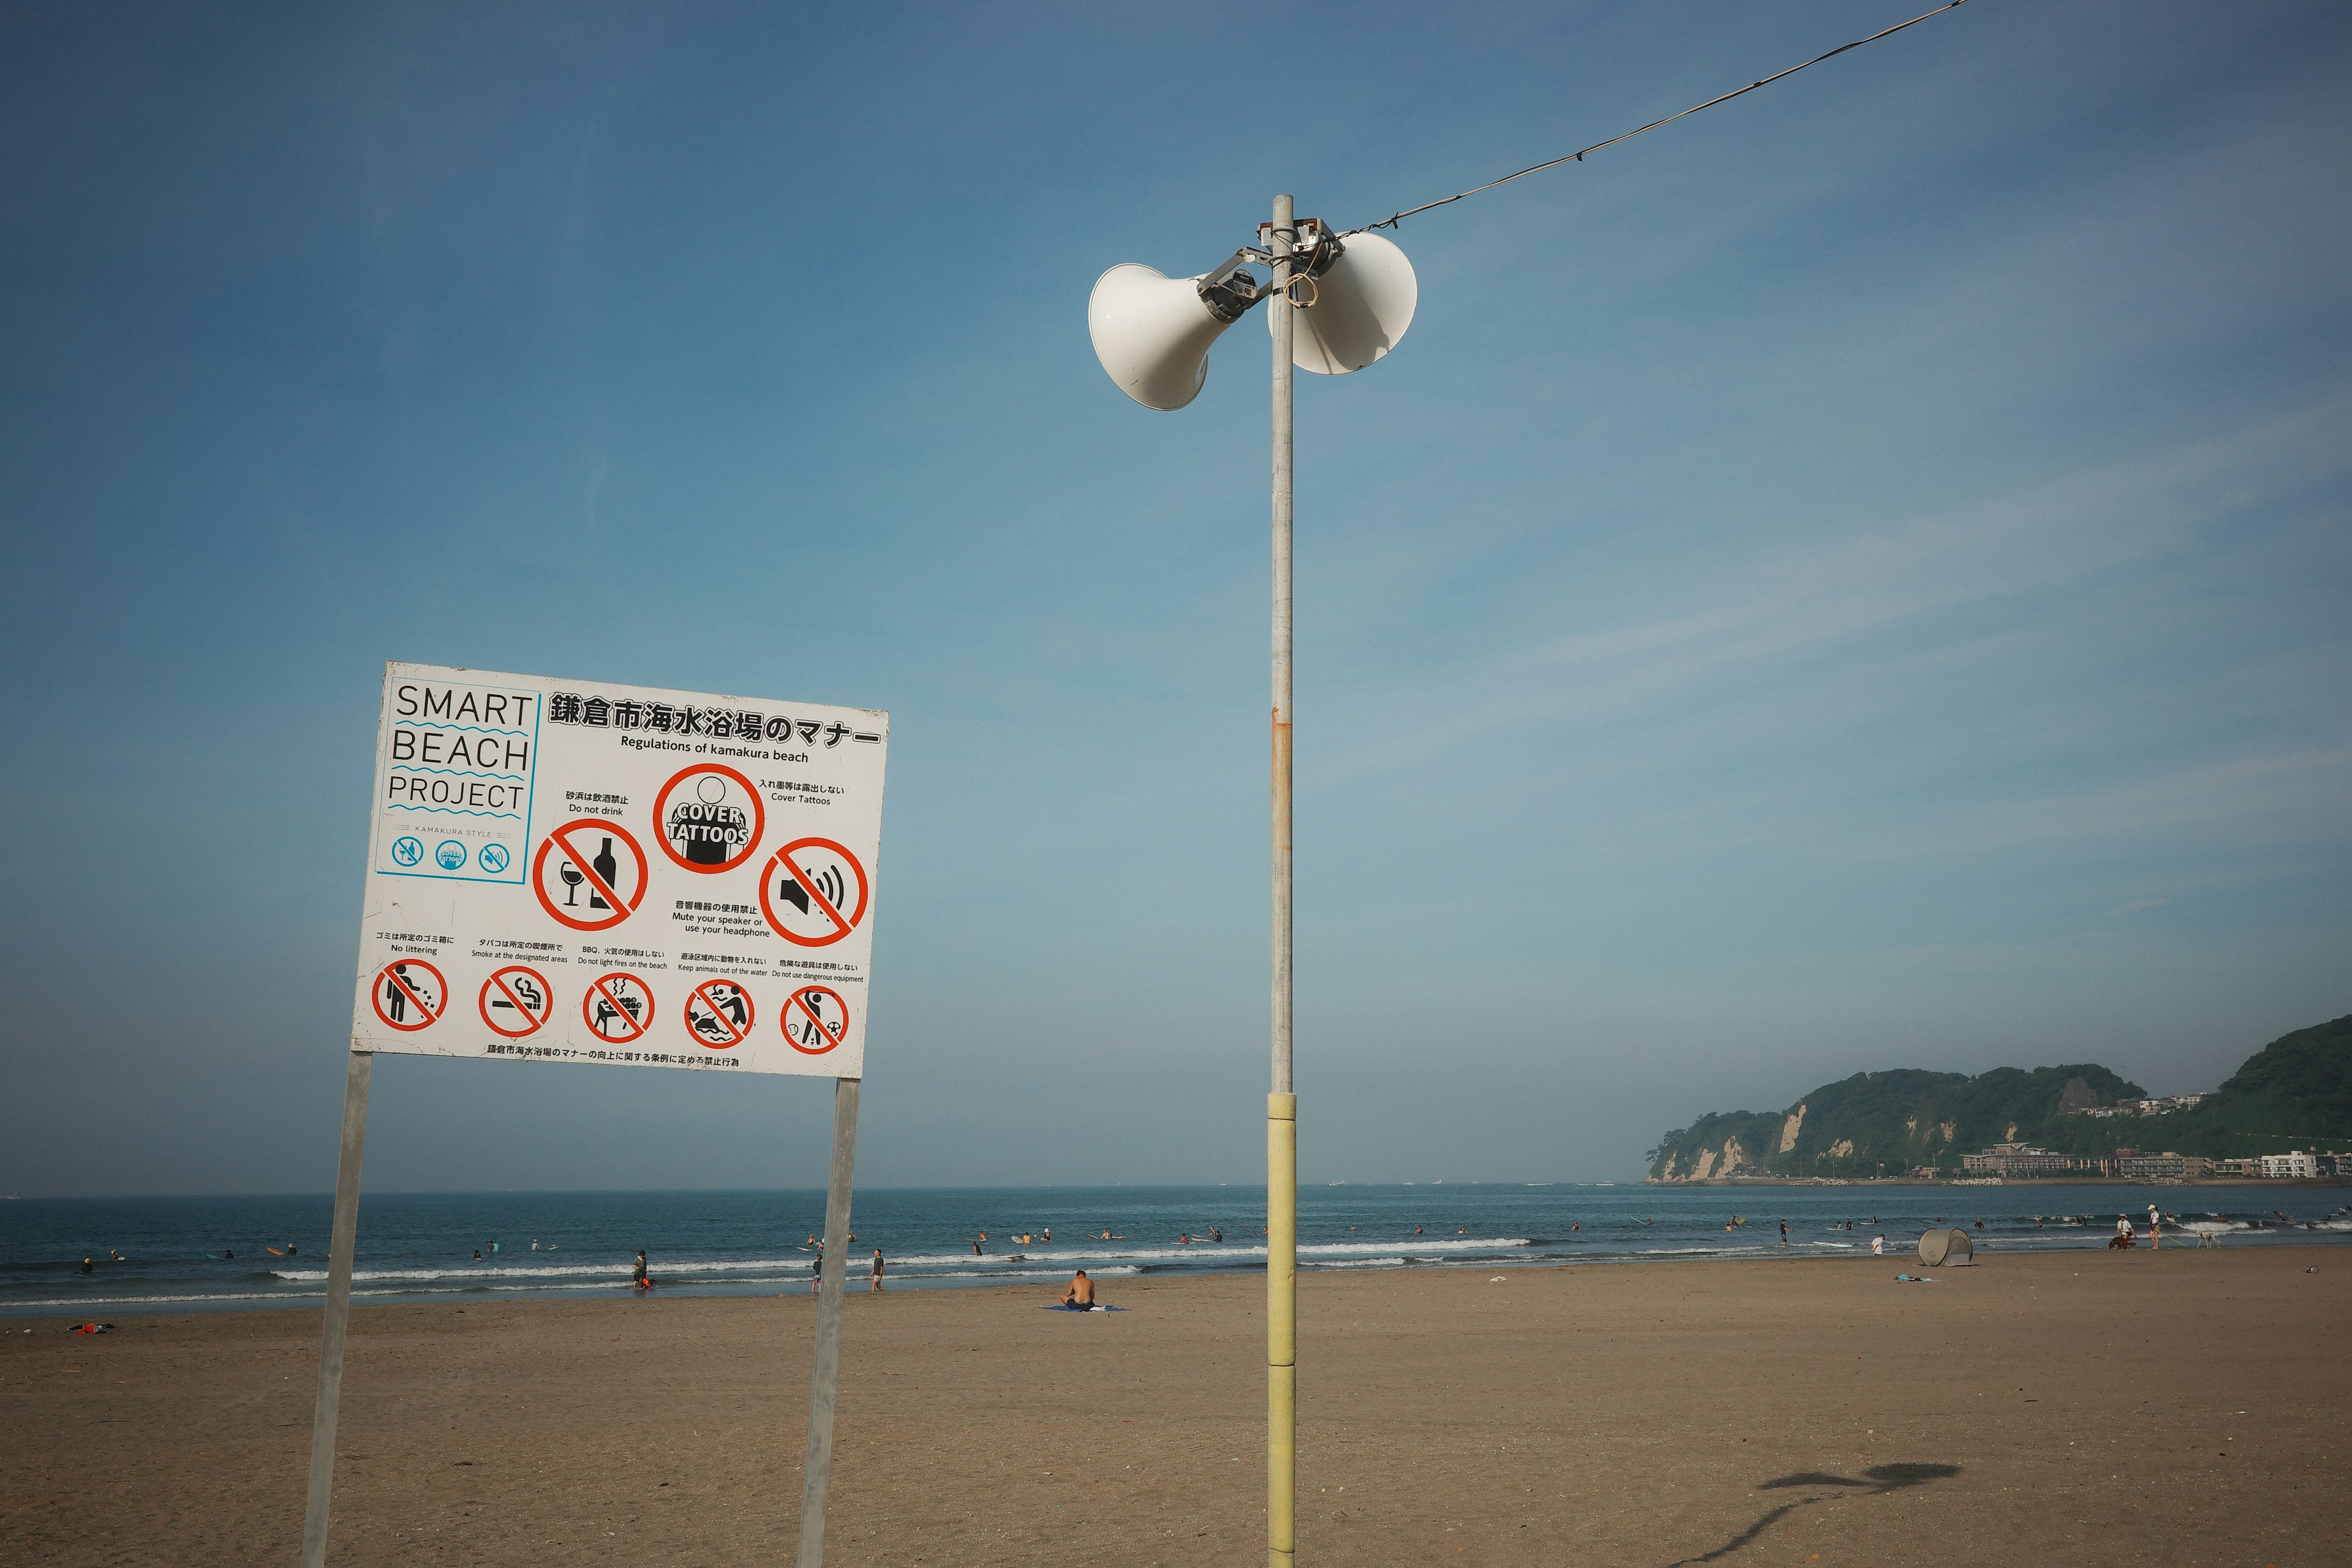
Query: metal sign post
(831, 1280)
(339, 1310)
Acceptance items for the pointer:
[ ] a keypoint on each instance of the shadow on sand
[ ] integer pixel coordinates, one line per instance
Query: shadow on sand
(1876, 1480)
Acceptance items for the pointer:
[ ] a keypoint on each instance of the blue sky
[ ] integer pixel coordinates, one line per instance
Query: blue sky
(1855, 579)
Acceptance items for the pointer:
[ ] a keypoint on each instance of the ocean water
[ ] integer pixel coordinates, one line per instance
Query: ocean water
(172, 1255)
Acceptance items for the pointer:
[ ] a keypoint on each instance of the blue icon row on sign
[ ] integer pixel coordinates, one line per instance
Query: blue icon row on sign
(450, 855)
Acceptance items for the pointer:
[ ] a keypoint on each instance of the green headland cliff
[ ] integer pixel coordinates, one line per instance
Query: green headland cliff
(2294, 1092)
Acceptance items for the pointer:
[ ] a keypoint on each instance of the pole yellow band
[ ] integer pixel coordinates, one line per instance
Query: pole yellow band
(1281, 1324)
(1281, 1483)
(1282, 1230)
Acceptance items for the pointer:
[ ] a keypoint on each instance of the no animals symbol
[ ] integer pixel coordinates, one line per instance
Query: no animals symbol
(409, 994)
(719, 1014)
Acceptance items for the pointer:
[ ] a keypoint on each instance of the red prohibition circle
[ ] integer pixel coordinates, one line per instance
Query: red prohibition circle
(385, 976)
(794, 1003)
(702, 993)
(758, 818)
(621, 909)
(843, 924)
(615, 1009)
(505, 991)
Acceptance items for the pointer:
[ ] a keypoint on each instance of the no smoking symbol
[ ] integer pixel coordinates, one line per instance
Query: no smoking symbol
(408, 995)
(718, 1014)
(516, 1001)
(815, 1020)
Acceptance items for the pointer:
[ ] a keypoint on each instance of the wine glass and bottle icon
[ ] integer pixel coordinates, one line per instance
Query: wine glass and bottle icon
(608, 871)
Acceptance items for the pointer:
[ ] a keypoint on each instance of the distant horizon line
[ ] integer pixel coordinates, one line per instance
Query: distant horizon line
(896, 1187)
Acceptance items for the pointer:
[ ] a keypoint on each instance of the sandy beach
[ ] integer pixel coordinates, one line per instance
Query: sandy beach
(2177, 1406)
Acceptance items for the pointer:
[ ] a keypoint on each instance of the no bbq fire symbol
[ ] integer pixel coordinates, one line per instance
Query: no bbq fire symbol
(619, 1008)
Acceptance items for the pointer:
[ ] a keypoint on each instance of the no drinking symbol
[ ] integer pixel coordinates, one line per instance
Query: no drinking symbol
(709, 819)
(583, 880)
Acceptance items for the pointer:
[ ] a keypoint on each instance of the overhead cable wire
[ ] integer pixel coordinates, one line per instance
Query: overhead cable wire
(1392, 220)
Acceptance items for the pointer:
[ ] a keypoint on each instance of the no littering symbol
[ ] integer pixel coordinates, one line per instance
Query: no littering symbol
(408, 995)
(718, 1014)
(813, 892)
(815, 1020)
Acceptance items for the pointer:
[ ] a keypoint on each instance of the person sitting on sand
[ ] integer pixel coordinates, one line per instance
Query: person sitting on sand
(1080, 1294)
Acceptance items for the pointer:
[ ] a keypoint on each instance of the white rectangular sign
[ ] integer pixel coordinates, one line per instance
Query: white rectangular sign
(566, 871)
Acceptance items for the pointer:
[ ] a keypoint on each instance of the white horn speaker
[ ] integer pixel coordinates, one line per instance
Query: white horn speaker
(1362, 305)
(1152, 333)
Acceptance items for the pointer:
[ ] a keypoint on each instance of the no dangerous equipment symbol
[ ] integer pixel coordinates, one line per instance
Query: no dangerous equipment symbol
(709, 819)
(813, 892)
(719, 1014)
(619, 1008)
(815, 1020)
(583, 882)
(409, 994)
(516, 1001)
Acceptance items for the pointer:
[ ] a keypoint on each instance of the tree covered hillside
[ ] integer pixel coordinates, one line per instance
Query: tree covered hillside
(2294, 1092)
(1892, 1120)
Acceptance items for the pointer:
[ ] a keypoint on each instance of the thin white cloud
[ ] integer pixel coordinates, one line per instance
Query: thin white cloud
(1822, 599)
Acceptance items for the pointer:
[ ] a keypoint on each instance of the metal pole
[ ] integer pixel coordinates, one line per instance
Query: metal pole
(1281, 1105)
(819, 1469)
(339, 1310)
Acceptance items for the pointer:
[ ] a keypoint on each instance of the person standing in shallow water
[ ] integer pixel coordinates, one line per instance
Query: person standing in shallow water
(874, 1279)
(640, 1279)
